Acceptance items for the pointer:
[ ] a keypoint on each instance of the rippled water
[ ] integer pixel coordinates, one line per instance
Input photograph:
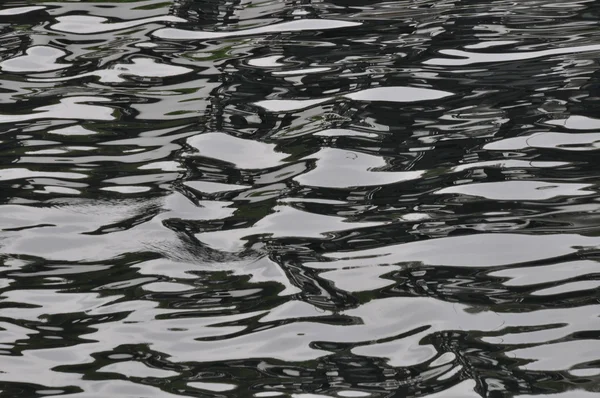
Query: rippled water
(299, 198)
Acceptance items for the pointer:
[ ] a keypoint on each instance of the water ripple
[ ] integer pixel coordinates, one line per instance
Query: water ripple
(299, 199)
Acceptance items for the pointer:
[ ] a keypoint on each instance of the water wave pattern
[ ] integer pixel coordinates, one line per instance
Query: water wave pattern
(243, 198)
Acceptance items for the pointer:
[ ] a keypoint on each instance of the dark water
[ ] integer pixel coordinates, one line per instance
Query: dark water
(238, 198)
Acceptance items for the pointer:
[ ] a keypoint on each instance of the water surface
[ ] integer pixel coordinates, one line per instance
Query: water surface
(299, 198)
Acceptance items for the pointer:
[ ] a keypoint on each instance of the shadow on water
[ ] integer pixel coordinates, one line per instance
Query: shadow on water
(299, 198)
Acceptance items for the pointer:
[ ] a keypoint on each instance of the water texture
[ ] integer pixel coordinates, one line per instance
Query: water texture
(303, 198)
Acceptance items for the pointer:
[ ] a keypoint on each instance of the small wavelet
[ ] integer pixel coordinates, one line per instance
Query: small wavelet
(291, 26)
